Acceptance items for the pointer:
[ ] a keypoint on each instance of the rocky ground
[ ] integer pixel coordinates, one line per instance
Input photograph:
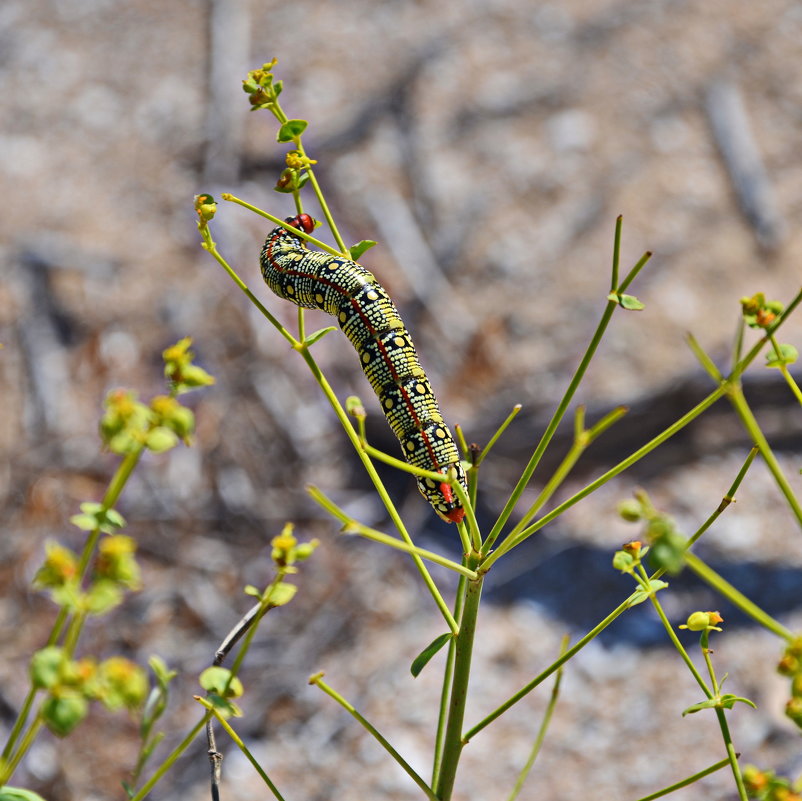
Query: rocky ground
(488, 147)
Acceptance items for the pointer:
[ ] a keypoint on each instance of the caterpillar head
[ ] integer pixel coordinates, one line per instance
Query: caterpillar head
(303, 222)
(442, 497)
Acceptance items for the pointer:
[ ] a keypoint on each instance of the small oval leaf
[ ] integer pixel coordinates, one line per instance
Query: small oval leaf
(360, 247)
(422, 659)
(290, 130)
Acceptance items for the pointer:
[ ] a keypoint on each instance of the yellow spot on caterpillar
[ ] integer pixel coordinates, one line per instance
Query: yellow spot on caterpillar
(430, 484)
(365, 357)
(399, 341)
(372, 295)
(439, 433)
(318, 298)
(290, 290)
(388, 403)
(410, 446)
(343, 317)
(420, 389)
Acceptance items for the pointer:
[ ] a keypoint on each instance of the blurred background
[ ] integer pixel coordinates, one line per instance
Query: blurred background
(488, 148)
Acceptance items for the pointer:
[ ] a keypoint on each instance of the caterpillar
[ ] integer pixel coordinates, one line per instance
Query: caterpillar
(369, 319)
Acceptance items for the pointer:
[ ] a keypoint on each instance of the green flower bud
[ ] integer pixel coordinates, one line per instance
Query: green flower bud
(630, 510)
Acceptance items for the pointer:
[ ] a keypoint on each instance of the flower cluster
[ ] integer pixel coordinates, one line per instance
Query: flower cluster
(666, 544)
(72, 683)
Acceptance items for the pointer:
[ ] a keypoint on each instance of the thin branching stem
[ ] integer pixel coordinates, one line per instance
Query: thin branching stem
(511, 542)
(499, 431)
(317, 680)
(283, 223)
(562, 407)
(736, 597)
(241, 745)
(541, 734)
(168, 763)
(692, 779)
(569, 654)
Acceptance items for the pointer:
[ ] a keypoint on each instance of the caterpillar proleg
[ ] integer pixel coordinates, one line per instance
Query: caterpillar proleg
(341, 287)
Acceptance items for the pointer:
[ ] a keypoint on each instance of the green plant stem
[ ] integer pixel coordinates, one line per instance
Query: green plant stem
(582, 439)
(470, 518)
(551, 428)
(736, 597)
(278, 221)
(743, 411)
(510, 543)
(687, 781)
(211, 247)
(19, 723)
(110, 498)
(732, 756)
(499, 431)
(303, 349)
(728, 498)
(249, 635)
(25, 743)
(171, 759)
(571, 652)
(241, 745)
(786, 373)
(448, 676)
(453, 742)
(352, 526)
(317, 680)
(323, 205)
(541, 735)
(672, 635)
(377, 482)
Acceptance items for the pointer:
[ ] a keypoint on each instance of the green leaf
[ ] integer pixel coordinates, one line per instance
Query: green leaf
(63, 713)
(639, 596)
(628, 302)
(290, 130)
(282, 594)
(710, 703)
(115, 518)
(726, 701)
(226, 708)
(160, 670)
(318, 335)
(84, 522)
(93, 516)
(422, 659)
(788, 355)
(216, 680)
(360, 247)
(18, 794)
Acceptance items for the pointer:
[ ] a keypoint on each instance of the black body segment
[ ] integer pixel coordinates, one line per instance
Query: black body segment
(370, 320)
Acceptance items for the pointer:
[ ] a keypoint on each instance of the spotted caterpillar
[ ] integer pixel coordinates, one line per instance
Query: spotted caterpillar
(367, 316)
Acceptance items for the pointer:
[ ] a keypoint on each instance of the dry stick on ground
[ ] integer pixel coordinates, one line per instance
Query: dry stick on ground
(732, 131)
